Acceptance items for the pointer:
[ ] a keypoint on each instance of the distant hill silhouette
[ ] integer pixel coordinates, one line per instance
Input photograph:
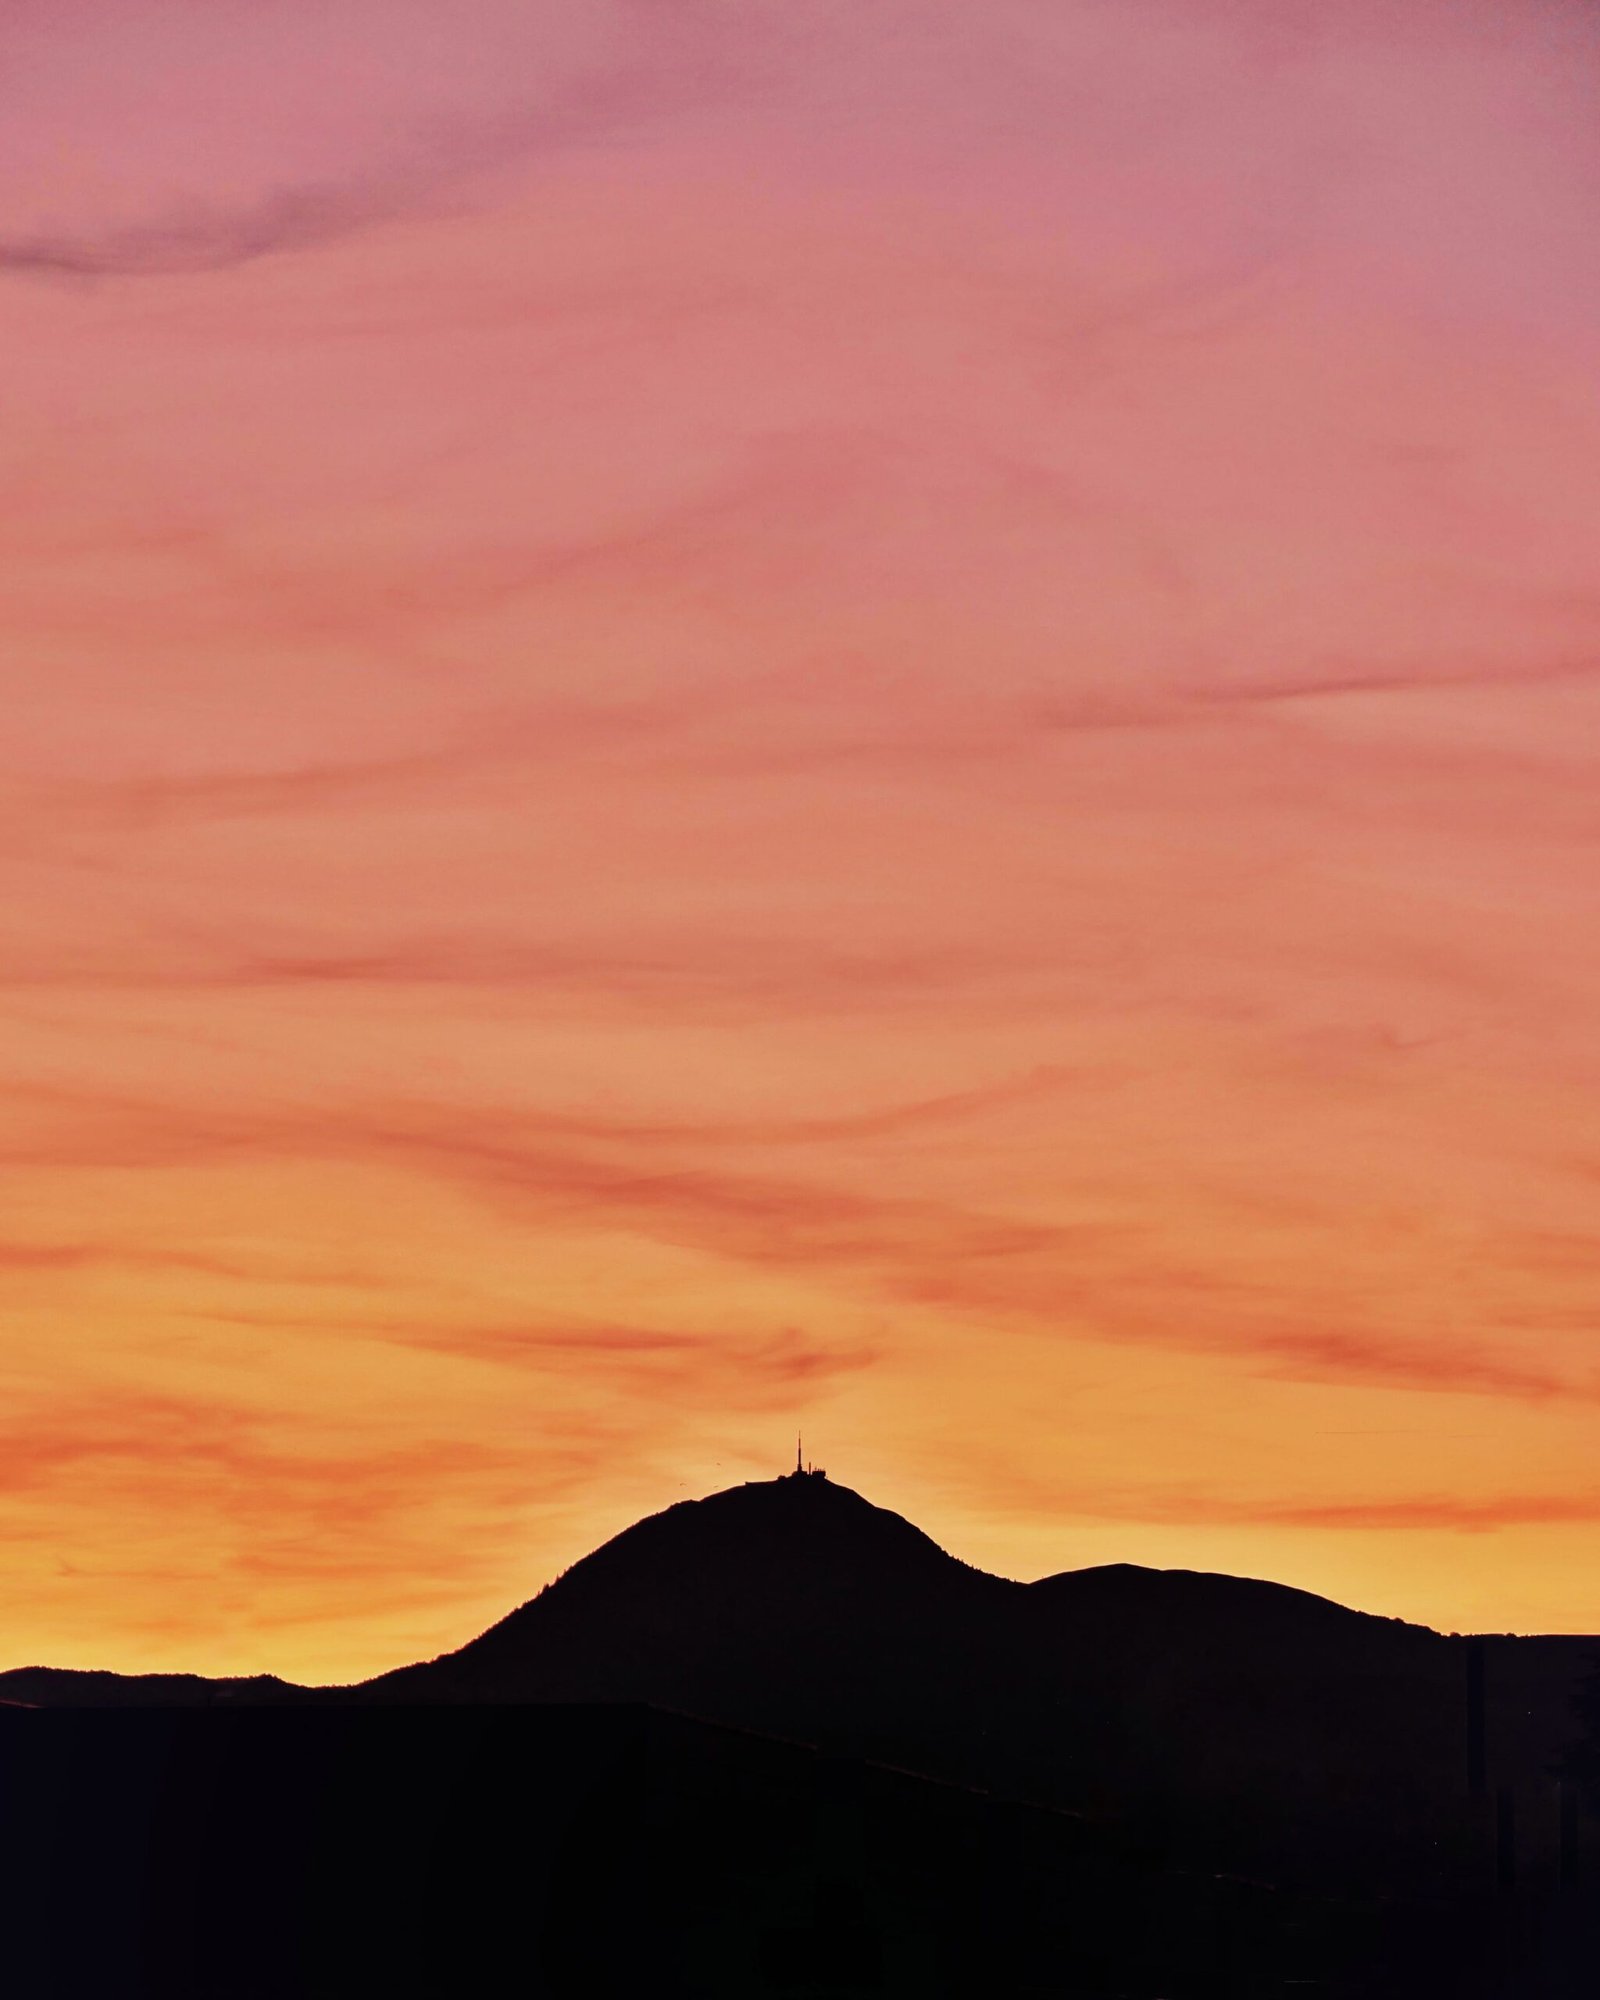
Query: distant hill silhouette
(1225, 1721)
(71, 1687)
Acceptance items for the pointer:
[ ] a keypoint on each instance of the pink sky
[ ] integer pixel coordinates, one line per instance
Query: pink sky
(878, 715)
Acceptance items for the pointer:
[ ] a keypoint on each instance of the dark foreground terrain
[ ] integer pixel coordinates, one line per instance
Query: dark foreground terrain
(623, 1851)
(777, 1742)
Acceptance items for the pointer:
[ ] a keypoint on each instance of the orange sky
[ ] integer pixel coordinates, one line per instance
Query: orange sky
(882, 716)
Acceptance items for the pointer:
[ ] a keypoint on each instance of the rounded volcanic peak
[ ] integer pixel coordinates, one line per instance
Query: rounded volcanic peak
(767, 1531)
(791, 1606)
(753, 1584)
(1129, 1583)
(1208, 1606)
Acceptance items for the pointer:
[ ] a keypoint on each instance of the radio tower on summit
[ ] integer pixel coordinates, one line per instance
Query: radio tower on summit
(801, 1469)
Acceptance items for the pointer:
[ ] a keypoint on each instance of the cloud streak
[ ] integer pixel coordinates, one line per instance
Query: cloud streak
(405, 146)
(1427, 1512)
(1048, 1281)
(292, 219)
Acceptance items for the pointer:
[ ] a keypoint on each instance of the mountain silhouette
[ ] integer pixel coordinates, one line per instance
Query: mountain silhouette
(75, 1687)
(791, 1604)
(1229, 1722)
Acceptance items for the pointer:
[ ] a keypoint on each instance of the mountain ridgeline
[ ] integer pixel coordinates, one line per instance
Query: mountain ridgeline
(1230, 1722)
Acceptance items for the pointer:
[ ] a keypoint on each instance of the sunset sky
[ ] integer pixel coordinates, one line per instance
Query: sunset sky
(881, 714)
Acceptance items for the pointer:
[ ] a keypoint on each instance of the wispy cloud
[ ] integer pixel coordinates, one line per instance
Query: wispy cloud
(21, 1257)
(1406, 1513)
(291, 219)
(1103, 1281)
(437, 144)
(1433, 677)
(720, 1373)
